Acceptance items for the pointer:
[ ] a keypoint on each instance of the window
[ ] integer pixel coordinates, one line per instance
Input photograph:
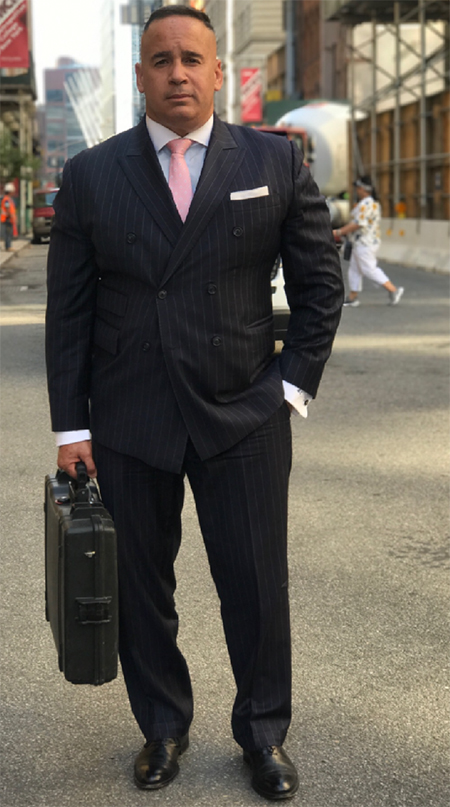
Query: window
(54, 96)
(44, 199)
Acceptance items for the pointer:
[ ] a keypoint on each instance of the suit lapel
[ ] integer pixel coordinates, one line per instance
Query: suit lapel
(141, 166)
(222, 161)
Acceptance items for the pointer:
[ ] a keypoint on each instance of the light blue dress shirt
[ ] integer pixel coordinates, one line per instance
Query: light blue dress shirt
(194, 156)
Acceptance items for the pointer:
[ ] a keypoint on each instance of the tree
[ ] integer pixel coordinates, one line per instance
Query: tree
(15, 163)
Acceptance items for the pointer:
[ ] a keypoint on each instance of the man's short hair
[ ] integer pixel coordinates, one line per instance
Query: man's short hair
(179, 11)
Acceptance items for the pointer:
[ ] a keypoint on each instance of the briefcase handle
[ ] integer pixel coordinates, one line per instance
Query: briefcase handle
(80, 487)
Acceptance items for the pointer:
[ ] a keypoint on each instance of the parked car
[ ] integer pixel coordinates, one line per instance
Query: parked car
(43, 213)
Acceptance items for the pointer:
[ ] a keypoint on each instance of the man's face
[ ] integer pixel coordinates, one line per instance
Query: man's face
(179, 73)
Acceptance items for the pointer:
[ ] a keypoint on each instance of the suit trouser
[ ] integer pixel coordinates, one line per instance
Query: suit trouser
(241, 501)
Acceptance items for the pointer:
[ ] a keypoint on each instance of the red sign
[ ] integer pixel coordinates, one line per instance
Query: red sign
(14, 34)
(251, 95)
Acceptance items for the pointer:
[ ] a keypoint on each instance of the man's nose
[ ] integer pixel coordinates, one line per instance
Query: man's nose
(178, 74)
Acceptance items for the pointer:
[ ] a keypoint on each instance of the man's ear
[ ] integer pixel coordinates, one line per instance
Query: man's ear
(138, 71)
(219, 75)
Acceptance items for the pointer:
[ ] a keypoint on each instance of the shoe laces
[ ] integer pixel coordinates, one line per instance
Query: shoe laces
(164, 741)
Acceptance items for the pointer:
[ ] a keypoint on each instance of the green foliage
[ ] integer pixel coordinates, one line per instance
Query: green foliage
(15, 163)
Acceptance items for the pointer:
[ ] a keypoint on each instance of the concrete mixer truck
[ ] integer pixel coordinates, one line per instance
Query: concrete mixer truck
(321, 128)
(326, 127)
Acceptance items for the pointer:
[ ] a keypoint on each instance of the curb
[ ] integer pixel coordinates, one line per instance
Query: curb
(17, 246)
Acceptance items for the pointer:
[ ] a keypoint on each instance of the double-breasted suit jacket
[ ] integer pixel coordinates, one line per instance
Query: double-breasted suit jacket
(157, 330)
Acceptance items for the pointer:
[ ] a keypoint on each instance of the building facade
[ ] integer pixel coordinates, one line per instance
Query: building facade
(399, 89)
(71, 115)
(116, 70)
(318, 57)
(247, 32)
(18, 126)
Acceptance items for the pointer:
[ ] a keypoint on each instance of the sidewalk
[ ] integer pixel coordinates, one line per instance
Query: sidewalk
(16, 246)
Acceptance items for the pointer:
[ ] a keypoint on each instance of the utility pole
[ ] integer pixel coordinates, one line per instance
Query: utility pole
(290, 91)
(230, 63)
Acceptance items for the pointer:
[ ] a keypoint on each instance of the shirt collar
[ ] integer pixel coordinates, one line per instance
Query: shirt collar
(160, 135)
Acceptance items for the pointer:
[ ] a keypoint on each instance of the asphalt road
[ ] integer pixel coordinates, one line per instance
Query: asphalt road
(369, 584)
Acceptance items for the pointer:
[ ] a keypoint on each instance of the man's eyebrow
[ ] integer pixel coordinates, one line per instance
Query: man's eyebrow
(161, 54)
(192, 53)
(164, 54)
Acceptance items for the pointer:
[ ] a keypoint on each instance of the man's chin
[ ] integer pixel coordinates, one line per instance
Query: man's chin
(181, 119)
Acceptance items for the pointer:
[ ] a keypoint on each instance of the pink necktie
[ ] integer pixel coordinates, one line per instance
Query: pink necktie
(179, 177)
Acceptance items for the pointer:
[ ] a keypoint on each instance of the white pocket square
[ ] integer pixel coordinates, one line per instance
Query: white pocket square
(250, 194)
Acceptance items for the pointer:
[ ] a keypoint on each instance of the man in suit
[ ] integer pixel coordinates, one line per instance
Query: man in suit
(160, 346)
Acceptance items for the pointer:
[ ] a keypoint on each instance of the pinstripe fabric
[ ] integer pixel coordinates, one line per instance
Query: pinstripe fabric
(241, 499)
(160, 338)
(158, 330)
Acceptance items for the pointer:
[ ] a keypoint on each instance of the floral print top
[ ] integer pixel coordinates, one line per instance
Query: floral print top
(367, 214)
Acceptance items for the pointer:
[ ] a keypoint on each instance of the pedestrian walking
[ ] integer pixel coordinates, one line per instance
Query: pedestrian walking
(8, 217)
(364, 231)
(160, 345)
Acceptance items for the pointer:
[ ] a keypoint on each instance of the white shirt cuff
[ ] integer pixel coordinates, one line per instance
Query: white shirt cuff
(64, 438)
(297, 398)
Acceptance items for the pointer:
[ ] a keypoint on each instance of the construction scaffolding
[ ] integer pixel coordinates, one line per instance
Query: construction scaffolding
(400, 121)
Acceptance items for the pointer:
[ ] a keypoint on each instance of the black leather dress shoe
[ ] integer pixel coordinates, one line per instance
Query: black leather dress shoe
(274, 775)
(157, 764)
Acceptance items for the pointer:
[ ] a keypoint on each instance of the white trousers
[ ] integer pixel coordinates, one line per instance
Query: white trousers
(363, 263)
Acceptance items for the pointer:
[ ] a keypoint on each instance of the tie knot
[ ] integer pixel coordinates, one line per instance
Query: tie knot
(180, 145)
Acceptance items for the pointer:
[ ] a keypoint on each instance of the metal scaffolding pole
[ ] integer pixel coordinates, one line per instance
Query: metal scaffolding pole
(397, 120)
(352, 107)
(373, 111)
(423, 113)
(419, 71)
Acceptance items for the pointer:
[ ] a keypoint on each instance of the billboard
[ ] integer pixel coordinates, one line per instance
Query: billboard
(251, 95)
(14, 34)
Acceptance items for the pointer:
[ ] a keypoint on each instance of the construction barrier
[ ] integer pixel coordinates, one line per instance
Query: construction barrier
(423, 243)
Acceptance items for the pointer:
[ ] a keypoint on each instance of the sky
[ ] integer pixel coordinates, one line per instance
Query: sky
(64, 28)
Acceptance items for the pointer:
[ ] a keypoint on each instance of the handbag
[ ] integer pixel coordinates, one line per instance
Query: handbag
(348, 246)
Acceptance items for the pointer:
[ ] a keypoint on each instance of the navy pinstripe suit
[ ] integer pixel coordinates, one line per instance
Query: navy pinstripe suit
(160, 339)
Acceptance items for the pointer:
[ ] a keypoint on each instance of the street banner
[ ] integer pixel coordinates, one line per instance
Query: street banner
(14, 34)
(251, 95)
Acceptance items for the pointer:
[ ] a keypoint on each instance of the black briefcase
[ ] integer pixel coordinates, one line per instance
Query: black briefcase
(81, 591)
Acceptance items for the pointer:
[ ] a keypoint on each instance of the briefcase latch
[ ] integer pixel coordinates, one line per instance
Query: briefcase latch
(94, 610)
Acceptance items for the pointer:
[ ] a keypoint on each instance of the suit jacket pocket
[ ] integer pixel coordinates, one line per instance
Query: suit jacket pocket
(255, 203)
(106, 337)
(265, 322)
(111, 300)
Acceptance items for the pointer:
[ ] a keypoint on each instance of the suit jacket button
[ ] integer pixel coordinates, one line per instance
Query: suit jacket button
(146, 346)
(212, 288)
(162, 294)
(131, 238)
(216, 341)
(237, 231)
